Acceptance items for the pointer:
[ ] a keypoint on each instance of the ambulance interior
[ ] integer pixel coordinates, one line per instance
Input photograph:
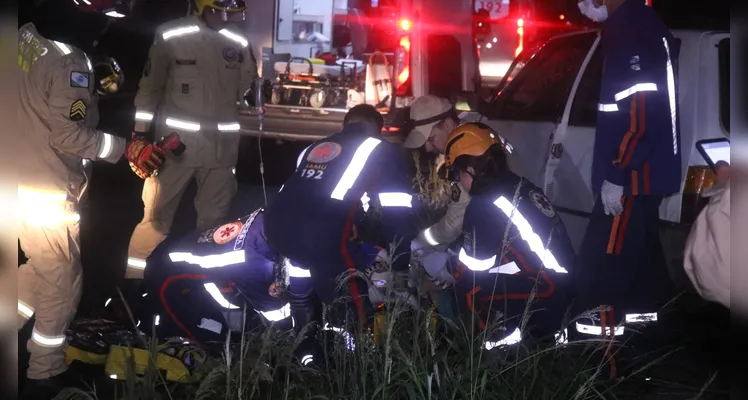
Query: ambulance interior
(334, 54)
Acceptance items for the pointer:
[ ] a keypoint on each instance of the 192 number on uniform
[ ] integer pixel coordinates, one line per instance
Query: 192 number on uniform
(312, 173)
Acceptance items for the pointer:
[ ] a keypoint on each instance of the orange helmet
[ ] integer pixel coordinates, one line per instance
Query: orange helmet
(471, 139)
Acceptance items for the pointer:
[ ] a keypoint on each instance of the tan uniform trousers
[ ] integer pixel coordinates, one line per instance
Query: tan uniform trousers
(216, 188)
(49, 287)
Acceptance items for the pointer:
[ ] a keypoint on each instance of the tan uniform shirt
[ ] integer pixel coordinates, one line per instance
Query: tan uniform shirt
(192, 83)
(57, 119)
(449, 228)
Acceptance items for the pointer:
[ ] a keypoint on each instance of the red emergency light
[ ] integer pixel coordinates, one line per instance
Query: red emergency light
(404, 24)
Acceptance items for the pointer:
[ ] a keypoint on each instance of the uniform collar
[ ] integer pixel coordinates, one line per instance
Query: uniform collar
(622, 12)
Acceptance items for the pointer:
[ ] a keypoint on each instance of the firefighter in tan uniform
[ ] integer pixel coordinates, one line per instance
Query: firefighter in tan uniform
(199, 69)
(57, 140)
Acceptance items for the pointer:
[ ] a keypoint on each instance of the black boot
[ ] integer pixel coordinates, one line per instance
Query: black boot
(46, 389)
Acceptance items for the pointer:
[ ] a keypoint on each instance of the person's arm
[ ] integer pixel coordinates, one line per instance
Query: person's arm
(393, 190)
(152, 84)
(248, 71)
(449, 228)
(630, 91)
(70, 96)
(482, 237)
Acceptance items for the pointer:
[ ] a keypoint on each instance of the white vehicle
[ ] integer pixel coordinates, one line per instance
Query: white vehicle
(546, 109)
(429, 45)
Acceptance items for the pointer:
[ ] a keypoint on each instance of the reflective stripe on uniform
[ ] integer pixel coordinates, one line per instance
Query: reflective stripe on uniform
(476, 264)
(397, 199)
(47, 341)
(351, 173)
(671, 95)
(644, 317)
(229, 127)
(639, 87)
(277, 315)
(528, 235)
(607, 107)
(214, 292)
(429, 237)
(181, 31)
(233, 36)
(514, 338)
(62, 47)
(25, 310)
(182, 124)
(210, 261)
(143, 116)
(598, 330)
(137, 263)
(296, 272)
(44, 207)
(106, 146)
(365, 202)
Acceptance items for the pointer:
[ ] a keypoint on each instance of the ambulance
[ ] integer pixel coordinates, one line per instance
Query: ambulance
(321, 57)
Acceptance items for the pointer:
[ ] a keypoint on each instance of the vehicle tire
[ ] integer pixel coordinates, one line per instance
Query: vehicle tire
(317, 98)
(277, 96)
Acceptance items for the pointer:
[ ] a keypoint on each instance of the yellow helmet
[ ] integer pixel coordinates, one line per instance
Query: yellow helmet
(471, 139)
(220, 5)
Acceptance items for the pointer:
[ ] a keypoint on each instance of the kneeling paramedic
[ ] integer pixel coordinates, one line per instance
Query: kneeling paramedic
(198, 285)
(515, 249)
(316, 215)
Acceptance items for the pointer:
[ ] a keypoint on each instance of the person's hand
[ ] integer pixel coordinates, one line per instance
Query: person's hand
(610, 195)
(145, 158)
(418, 250)
(722, 172)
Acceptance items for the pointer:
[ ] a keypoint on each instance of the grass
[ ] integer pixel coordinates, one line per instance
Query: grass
(413, 361)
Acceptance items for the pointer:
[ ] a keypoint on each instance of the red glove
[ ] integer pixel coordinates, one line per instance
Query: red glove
(145, 157)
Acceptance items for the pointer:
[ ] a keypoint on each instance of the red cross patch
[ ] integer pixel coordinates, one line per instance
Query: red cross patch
(227, 233)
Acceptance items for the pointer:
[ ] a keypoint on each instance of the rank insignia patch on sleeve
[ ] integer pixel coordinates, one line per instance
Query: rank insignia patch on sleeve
(78, 110)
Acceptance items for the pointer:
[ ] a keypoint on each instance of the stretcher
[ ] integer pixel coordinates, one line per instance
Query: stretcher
(305, 82)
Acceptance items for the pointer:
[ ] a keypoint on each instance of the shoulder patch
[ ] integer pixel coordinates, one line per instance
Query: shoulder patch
(456, 193)
(79, 79)
(239, 243)
(542, 203)
(227, 233)
(77, 110)
(324, 152)
(230, 53)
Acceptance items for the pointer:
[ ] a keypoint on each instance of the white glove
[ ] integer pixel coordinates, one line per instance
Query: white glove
(611, 196)
(435, 265)
(419, 249)
(382, 290)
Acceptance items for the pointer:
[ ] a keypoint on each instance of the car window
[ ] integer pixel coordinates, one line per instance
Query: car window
(540, 90)
(584, 107)
(724, 82)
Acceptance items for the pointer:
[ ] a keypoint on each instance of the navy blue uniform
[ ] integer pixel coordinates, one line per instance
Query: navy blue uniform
(637, 146)
(510, 247)
(193, 281)
(314, 218)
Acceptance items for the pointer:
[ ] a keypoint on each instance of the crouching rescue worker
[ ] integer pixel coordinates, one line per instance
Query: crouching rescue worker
(198, 69)
(198, 285)
(515, 249)
(316, 216)
(57, 138)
